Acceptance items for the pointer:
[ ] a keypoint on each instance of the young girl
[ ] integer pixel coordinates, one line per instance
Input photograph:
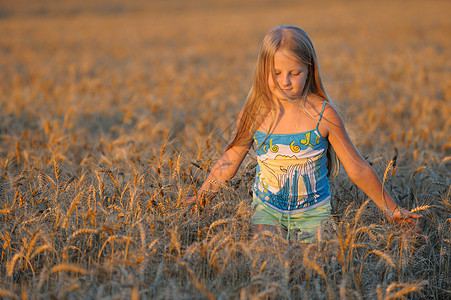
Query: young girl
(298, 138)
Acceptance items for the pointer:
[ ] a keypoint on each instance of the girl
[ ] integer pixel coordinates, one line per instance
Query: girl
(298, 137)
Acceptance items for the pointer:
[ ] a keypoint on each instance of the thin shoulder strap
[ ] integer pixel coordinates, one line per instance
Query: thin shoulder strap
(321, 115)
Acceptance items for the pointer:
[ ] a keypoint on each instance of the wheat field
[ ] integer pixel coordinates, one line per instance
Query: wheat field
(113, 112)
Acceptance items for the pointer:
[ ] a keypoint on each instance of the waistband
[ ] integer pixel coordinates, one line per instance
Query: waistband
(260, 195)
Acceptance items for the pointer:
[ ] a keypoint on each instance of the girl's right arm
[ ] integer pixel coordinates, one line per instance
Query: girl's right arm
(223, 170)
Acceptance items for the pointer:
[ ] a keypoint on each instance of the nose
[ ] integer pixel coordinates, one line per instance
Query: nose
(285, 80)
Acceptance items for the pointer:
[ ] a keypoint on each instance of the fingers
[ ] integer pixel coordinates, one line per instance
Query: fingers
(190, 200)
(413, 226)
(190, 203)
(410, 222)
(415, 216)
(407, 220)
(403, 214)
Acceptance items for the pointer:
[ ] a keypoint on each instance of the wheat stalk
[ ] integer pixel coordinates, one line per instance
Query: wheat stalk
(406, 289)
(39, 250)
(124, 262)
(31, 244)
(419, 208)
(310, 264)
(380, 254)
(174, 242)
(74, 204)
(142, 234)
(217, 223)
(112, 239)
(196, 282)
(9, 294)
(10, 265)
(444, 160)
(65, 267)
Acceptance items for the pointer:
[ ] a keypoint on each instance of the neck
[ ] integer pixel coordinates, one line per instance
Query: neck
(286, 105)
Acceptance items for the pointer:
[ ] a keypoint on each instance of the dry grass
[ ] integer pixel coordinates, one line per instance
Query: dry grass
(112, 113)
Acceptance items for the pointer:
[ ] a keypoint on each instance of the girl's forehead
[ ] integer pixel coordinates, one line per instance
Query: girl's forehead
(282, 53)
(285, 58)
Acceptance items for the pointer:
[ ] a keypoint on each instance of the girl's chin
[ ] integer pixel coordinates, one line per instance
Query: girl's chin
(288, 98)
(285, 97)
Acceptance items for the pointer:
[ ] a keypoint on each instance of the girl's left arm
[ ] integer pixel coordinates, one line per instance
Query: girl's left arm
(359, 170)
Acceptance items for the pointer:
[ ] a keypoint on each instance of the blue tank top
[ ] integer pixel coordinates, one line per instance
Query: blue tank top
(291, 175)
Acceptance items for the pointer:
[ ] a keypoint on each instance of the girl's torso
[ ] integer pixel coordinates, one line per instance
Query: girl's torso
(292, 173)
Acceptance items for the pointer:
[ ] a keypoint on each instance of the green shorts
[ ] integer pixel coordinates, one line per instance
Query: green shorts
(303, 224)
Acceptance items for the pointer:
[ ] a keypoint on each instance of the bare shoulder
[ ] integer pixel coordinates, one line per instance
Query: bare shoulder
(314, 105)
(263, 123)
(330, 119)
(317, 106)
(331, 115)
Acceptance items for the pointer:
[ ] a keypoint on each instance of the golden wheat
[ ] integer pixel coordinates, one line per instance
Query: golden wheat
(67, 268)
(104, 132)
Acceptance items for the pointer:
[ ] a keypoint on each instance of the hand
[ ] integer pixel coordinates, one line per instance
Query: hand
(405, 218)
(198, 202)
(191, 199)
(191, 203)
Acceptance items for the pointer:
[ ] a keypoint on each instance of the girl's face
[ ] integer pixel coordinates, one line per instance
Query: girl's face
(290, 76)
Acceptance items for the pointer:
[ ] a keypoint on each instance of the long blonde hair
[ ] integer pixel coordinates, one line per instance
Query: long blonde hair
(294, 41)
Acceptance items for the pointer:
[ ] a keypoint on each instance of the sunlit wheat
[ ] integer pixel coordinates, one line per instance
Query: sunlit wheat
(112, 115)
